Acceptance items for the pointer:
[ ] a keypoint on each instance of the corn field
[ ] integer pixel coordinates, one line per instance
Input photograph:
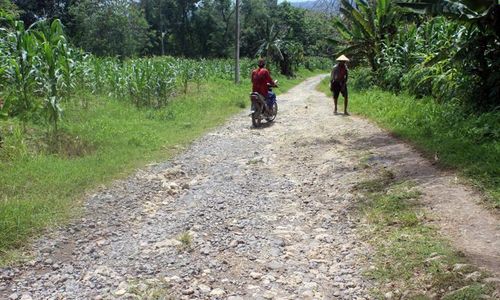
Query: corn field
(40, 71)
(149, 82)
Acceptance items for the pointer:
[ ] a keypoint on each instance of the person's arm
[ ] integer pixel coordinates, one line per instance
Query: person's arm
(270, 81)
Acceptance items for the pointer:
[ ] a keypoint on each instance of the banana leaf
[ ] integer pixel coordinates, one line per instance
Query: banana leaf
(453, 8)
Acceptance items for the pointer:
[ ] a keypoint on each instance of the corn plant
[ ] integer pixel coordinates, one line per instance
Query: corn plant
(19, 72)
(37, 69)
(55, 68)
(413, 60)
(186, 73)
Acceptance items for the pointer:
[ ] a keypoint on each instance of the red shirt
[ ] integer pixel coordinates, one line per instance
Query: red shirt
(260, 79)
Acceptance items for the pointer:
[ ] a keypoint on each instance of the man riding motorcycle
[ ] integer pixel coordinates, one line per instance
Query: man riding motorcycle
(261, 80)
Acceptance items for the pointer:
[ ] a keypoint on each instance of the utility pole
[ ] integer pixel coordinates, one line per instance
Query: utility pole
(162, 43)
(162, 28)
(237, 50)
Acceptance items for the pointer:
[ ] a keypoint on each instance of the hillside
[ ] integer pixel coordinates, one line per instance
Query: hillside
(331, 7)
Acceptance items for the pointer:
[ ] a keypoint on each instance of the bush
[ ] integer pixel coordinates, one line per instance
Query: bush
(417, 82)
(362, 78)
(439, 58)
(441, 81)
(317, 63)
(390, 78)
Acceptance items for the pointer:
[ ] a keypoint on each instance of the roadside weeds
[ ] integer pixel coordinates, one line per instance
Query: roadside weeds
(411, 260)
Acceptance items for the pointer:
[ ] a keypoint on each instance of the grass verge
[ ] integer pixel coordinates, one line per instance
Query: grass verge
(102, 139)
(468, 143)
(411, 260)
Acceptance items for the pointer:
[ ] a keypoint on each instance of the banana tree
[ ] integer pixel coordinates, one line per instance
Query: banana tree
(464, 9)
(365, 26)
(270, 44)
(484, 13)
(480, 51)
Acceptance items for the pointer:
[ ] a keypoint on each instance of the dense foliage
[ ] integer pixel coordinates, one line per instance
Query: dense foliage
(364, 28)
(179, 27)
(118, 28)
(442, 48)
(477, 49)
(39, 70)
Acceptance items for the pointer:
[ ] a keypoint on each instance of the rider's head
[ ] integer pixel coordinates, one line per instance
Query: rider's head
(261, 63)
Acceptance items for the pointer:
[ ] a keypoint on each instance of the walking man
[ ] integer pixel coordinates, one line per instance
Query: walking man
(338, 82)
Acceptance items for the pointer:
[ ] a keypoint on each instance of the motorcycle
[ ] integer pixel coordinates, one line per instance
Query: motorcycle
(261, 109)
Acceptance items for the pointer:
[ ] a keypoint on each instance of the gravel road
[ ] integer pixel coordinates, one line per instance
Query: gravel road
(243, 213)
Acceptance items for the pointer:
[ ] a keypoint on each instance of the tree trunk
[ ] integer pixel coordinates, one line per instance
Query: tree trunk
(371, 60)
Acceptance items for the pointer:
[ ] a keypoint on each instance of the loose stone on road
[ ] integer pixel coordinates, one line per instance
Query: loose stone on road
(242, 214)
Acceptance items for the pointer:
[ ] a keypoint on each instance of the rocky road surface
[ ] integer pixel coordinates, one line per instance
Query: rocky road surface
(242, 214)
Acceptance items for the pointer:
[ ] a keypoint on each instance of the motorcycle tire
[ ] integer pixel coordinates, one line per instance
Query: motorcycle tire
(275, 112)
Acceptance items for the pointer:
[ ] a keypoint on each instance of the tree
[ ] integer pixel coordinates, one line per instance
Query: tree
(293, 55)
(214, 25)
(34, 10)
(305, 27)
(270, 44)
(365, 26)
(255, 15)
(174, 20)
(116, 27)
(482, 13)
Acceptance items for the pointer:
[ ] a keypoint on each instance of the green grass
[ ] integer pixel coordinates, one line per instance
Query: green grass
(151, 289)
(410, 256)
(186, 241)
(104, 141)
(468, 143)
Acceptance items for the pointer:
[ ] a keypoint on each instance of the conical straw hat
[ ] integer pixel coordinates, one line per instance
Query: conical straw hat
(342, 58)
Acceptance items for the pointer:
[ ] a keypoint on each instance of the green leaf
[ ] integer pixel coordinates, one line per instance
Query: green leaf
(342, 29)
